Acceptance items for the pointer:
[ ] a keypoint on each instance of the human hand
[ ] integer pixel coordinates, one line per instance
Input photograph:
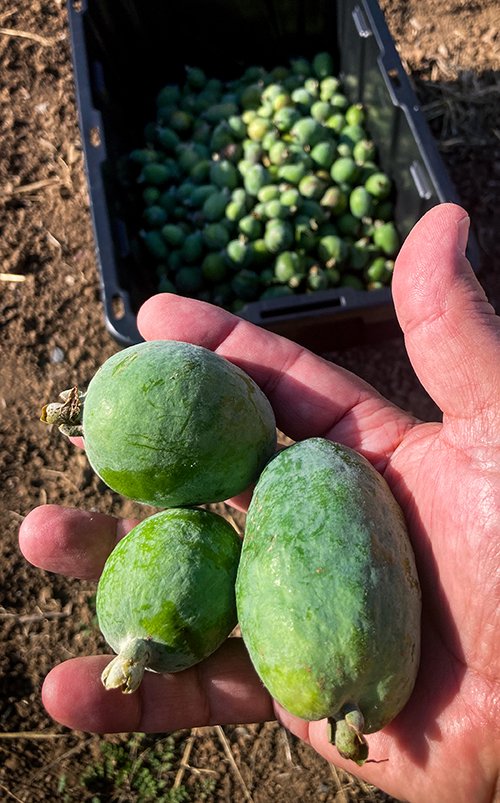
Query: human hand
(445, 744)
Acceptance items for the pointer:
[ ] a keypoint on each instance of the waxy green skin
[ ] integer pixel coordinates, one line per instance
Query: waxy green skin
(172, 424)
(171, 581)
(327, 591)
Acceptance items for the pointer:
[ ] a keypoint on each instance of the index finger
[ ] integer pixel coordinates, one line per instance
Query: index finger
(311, 397)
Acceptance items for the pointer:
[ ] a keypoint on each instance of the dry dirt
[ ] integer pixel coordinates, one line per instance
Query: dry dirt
(52, 336)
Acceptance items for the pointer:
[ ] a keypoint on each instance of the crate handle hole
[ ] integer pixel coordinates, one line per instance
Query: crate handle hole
(394, 77)
(95, 136)
(118, 307)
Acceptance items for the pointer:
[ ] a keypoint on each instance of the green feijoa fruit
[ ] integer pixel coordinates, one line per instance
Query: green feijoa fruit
(173, 235)
(302, 100)
(339, 100)
(343, 641)
(196, 78)
(287, 264)
(336, 122)
(387, 238)
(215, 206)
(200, 194)
(224, 174)
(367, 169)
(344, 149)
(300, 67)
(317, 278)
(359, 254)
(192, 247)
(151, 196)
(324, 154)
(165, 285)
(215, 236)
(321, 110)
(155, 173)
(238, 253)
(187, 157)
(256, 176)
(221, 137)
(251, 97)
(348, 225)
(313, 210)
(214, 267)
(322, 65)
(169, 94)
(174, 260)
(237, 126)
(250, 227)
(268, 193)
(284, 119)
(384, 211)
(154, 216)
(333, 276)
(291, 198)
(378, 271)
(292, 173)
(155, 244)
(335, 200)
(181, 121)
(280, 102)
(361, 202)
(363, 151)
(344, 169)
(168, 138)
(279, 152)
(235, 210)
(307, 131)
(305, 237)
(259, 210)
(189, 280)
(269, 139)
(333, 250)
(185, 190)
(270, 92)
(276, 291)
(328, 87)
(379, 185)
(159, 422)
(200, 172)
(252, 151)
(355, 115)
(258, 127)
(312, 187)
(260, 251)
(275, 209)
(246, 285)
(279, 236)
(149, 594)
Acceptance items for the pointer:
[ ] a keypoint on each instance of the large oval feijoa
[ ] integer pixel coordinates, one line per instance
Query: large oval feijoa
(166, 597)
(171, 424)
(327, 591)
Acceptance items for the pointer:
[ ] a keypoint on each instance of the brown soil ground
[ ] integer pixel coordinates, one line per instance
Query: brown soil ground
(52, 336)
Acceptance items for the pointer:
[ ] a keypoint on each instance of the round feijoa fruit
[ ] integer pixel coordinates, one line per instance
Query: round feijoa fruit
(170, 424)
(166, 597)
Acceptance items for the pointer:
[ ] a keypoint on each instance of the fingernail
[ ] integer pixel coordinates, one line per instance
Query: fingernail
(463, 234)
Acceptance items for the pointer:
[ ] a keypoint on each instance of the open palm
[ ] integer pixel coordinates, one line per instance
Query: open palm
(445, 744)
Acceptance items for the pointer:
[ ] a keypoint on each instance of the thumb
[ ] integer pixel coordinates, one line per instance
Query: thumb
(451, 332)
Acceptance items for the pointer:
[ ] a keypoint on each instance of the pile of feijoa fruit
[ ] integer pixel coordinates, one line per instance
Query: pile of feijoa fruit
(264, 186)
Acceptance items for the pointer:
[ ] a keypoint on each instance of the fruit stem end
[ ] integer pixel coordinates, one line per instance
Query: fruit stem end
(345, 731)
(126, 671)
(67, 416)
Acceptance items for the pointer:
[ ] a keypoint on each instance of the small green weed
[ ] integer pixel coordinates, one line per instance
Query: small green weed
(141, 772)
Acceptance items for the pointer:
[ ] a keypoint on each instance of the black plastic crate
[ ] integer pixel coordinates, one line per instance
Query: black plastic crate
(125, 51)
